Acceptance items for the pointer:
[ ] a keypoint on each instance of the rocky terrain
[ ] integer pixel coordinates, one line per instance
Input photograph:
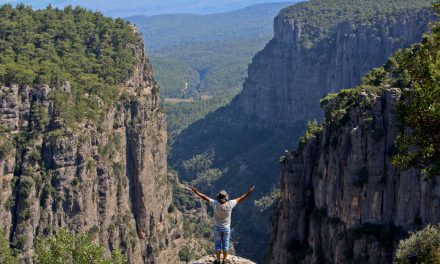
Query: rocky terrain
(285, 83)
(108, 179)
(287, 79)
(230, 260)
(341, 200)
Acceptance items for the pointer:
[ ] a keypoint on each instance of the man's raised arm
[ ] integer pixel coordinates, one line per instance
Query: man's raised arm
(244, 196)
(204, 197)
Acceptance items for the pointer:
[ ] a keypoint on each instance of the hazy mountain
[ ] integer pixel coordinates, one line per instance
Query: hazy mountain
(208, 53)
(117, 8)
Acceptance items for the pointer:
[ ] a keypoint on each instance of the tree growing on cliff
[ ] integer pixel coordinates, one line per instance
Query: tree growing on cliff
(67, 248)
(419, 69)
(6, 256)
(425, 243)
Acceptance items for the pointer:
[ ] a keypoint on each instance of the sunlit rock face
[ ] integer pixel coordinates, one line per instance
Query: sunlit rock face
(108, 179)
(341, 199)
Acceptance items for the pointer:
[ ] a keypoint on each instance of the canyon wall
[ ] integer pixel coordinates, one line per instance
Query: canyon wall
(108, 179)
(341, 199)
(287, 79)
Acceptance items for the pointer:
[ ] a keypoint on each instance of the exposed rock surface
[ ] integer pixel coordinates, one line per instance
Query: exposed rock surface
(287, 80)
(285, 84)
(230, 260)
(107, 179)
(342, 201)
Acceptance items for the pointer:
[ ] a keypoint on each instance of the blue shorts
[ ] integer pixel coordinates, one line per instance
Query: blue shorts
(221, 237)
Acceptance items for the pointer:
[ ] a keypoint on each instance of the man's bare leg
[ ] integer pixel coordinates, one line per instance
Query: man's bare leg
(225, 255)
(217, 254)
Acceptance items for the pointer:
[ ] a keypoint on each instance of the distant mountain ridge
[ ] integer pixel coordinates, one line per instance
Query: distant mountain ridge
(208, 52)
(116, 8)
(249, 22)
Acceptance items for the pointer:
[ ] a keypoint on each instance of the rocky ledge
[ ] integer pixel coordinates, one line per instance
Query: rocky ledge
(230, 260)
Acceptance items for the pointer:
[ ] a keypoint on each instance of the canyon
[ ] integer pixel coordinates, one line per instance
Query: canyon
(286, 80)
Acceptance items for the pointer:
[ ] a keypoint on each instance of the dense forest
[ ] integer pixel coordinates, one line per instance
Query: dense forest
(209, 52)
(51, 46)
(318, 17)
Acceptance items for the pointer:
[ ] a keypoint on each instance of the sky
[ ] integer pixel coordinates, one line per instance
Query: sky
(125, 8)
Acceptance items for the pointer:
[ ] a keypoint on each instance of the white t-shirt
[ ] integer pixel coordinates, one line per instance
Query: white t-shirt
(222, 212)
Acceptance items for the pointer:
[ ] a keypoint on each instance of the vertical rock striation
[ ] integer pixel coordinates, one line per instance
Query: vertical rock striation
(287, 79)
(342, 201)
(107, 179)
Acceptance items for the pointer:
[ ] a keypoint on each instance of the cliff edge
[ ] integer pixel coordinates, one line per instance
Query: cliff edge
(231, 260)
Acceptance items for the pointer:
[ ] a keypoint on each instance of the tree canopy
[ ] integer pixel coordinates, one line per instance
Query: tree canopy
(318, 17)
(67, 248)
(95, 53)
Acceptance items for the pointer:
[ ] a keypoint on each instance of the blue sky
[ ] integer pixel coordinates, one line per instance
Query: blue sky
(123, 8)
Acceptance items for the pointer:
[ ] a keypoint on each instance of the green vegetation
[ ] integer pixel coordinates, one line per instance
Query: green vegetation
(185, 254)
(52, 46)
(320, 17)
(199, 170)
(6, 256)
(425, 243)
(181, 115)
(67, 248)
(173, 76)
(267, 201)
(6, 146)
(313, 128)
(209, 52)
(419, 114)
(246, 147)
(336, 105)
(416, 72)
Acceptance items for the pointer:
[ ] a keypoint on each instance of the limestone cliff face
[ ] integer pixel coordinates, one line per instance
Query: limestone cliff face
(342, 201)
(287, 78)
(108, 179)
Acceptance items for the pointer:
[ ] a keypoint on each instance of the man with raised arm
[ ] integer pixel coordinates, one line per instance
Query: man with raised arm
(222, 219)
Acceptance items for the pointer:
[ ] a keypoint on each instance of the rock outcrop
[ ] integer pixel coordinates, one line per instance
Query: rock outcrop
(230, 260)
(108, 179)
(342, 201)
(286, 80)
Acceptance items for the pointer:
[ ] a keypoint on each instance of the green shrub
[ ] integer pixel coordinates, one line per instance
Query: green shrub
(6, 147)
(185, 254)
(6, 256)
(65, 247)
(313, 128)
(419, 69)
(425, 242)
